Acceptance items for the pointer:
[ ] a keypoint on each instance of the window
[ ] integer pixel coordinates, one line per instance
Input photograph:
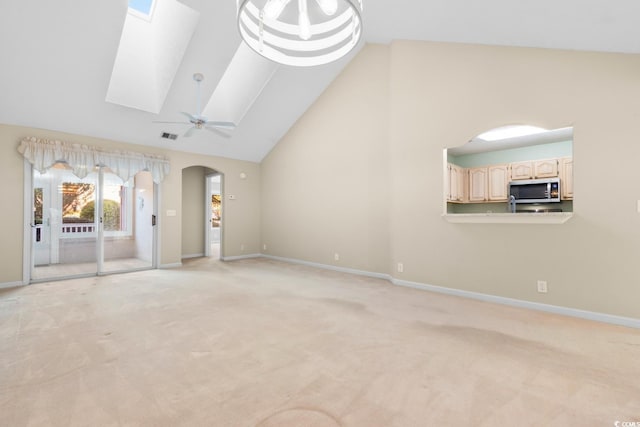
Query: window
(141, 8)
(77, 202)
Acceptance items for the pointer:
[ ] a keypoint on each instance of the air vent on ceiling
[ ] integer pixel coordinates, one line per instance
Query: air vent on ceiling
(167, 135)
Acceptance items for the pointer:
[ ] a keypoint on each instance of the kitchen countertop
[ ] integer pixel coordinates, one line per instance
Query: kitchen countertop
(510, 218)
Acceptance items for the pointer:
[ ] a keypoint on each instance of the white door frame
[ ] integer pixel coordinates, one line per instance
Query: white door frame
(208, 217)
(27, 250)
(27, 253)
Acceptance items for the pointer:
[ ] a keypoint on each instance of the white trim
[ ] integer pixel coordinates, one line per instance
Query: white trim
(564, 311)
(99, 218)
(172, 265)
(157, 233)
(223, 214)
(239, 257)
(198, 255)
(27, 253)
(207, 215)
(330, 267)
(8, 285)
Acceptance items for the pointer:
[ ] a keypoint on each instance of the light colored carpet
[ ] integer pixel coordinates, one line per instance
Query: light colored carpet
(265, 343)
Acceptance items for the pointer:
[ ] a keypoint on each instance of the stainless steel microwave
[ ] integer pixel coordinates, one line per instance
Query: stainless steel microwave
(535, 190)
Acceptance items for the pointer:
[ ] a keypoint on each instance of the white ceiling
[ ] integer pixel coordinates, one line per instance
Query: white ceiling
(56, 59)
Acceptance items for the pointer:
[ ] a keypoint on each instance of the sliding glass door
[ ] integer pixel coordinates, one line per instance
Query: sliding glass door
(97, 224)
(128, 224)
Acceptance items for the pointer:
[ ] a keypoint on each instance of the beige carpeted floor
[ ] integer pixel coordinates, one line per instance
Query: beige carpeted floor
(265, 343)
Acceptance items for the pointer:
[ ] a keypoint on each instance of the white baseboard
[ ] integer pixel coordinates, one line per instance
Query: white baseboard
(565, 311)
(330, 267)
(200, 255)
(8, 285)
(173, 265)
(238, 257)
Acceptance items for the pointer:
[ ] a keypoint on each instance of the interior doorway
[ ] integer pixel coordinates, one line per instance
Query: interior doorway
(203, 219)
(213, 215)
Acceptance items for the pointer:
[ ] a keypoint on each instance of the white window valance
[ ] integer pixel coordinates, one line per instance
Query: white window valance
(82, 159)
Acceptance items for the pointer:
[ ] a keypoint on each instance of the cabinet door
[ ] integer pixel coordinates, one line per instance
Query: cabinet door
(566, 178)
(521, 170)
(498, 180)
(456, 186)
(477, 184)
(546, 168)
(452, 194)
(463, 185)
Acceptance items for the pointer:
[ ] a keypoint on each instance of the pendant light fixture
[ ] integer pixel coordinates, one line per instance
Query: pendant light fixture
(300, 32)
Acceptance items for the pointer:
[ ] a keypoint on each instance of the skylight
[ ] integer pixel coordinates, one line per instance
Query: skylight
(242, 82)
(150, 52)
(142, 8)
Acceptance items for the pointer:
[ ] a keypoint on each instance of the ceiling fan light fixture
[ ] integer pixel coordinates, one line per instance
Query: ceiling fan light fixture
(198, 121)
(300, 33)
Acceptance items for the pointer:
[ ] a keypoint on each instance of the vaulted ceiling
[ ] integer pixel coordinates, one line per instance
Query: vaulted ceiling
(57, 62)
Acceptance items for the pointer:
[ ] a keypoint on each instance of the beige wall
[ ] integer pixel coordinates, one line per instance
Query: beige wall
(242, 225)
(320, 184)
(325, 186)
(360, 174)
(193, 195)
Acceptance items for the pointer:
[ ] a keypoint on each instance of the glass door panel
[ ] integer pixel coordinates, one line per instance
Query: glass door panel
(128, 231)
(98, 224)
(63, 222)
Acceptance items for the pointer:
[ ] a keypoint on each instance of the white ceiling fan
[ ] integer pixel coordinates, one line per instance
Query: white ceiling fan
(201, 122)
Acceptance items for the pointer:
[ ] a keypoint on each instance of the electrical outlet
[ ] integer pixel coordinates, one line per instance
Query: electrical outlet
(264, 247)
(542, 286)
(400, 267)
(242, 247)
(336, 256)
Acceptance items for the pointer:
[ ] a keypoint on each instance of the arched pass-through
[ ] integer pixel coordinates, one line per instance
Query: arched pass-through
(511, 174)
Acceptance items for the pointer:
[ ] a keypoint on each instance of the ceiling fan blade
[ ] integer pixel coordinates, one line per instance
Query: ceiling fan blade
(189, 132)
(221, 125)
(218, 132)
(191, 117)
(176, 123)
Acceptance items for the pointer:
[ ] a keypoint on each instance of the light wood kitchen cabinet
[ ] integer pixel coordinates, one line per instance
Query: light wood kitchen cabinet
(456, 185)
(498, 183)
(486, 184)
(566, 178)
(546, 168)
(491, 183)
(477, 184)
(522, 170)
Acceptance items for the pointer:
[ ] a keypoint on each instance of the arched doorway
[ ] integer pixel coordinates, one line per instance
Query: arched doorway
(202, 212)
